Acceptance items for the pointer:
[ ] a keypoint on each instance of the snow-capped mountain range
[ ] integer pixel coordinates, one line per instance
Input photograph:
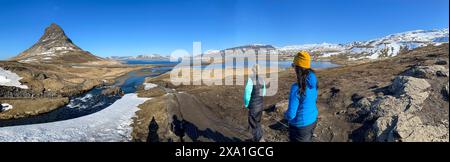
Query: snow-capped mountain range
(388, 46)
(140, 57)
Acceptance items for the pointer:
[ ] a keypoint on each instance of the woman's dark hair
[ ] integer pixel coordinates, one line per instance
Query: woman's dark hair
(302, 76)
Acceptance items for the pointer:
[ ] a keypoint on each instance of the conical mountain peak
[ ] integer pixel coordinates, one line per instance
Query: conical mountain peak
(55, 46)
(53, 32)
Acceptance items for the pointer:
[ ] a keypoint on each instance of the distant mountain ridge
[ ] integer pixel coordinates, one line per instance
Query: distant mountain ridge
(253, 47)
(139, 57)
(387, 46)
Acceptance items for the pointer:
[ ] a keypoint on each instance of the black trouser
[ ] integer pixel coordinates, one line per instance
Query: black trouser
(301, 134)
(254, 120)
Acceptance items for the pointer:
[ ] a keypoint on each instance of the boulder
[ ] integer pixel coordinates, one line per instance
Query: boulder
(113, 91)
(412, 90)
(426, 71)
(40, 76)
(416, 101)
(411, 129)
(409, 95)
(388, 106)
(383, 129)
(393, 114)
(410, 86)
(445, 92)
(364, 105)
(441, 62)
(408, 128)
(370, 108)
(442, 73)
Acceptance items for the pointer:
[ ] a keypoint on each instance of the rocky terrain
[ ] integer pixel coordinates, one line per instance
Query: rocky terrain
(397, 114)
(403, 98)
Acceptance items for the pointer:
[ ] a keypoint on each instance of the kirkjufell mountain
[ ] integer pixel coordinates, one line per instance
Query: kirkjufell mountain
(55, 47)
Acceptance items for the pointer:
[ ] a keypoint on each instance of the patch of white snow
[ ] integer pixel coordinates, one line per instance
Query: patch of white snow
(6, 107)
(8, 78)
(111, 124)
(148, 86)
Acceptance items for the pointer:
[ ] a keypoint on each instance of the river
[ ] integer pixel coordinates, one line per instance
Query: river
(91, 101)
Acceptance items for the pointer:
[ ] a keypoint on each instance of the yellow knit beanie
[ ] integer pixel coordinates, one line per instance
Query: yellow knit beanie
(303, 59)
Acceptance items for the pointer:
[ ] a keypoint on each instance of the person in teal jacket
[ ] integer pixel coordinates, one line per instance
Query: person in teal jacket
(255, 90)
(302, 110)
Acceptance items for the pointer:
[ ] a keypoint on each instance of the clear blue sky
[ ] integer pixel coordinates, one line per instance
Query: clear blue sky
(132, 27)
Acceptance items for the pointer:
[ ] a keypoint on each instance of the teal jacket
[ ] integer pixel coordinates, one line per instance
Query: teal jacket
(302, 110)
(248, 91)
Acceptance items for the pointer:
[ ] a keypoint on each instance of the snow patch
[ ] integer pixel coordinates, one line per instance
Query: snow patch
(111, 124)
(10, 79)
(148, 86)
(438, 44)
(6, 107)
(48, 53)
(80, 67)
(330, 54)
(28, 60)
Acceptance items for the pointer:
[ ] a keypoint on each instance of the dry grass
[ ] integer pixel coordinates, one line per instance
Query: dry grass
(28, 107)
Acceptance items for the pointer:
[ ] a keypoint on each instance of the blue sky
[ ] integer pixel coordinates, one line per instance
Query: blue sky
(132, 27)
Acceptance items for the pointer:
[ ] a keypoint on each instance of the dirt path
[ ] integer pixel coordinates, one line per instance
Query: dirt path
(186, 109)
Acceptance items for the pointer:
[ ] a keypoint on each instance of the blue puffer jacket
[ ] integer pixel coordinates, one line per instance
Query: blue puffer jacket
(302, 110)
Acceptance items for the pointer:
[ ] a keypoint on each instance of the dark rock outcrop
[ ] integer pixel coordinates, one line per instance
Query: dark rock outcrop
(393, 116)
(15, 92)
(113, 91)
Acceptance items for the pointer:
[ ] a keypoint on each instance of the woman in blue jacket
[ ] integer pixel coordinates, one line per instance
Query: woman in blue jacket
(302, 110)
